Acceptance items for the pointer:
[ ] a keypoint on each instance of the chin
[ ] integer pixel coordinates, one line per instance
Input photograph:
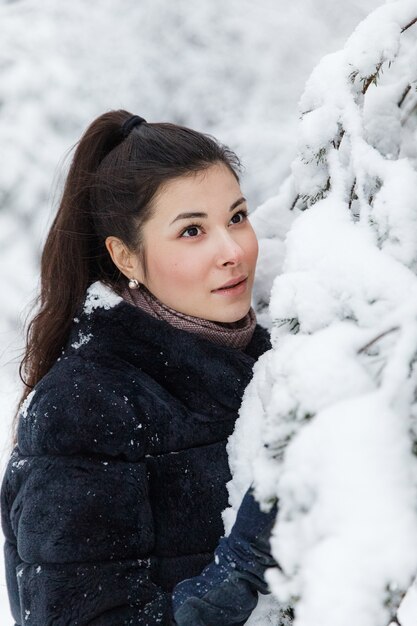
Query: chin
(234, 315)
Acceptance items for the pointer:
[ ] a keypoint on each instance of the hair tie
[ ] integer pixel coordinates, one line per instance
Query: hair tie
(130, 123)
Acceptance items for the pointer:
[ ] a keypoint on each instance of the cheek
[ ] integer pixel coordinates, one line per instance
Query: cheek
(252, 247)
(175, 269)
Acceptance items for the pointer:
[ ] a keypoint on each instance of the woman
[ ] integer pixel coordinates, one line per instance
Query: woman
(136, 364)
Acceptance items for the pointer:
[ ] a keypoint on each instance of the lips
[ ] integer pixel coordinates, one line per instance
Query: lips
(231, 283)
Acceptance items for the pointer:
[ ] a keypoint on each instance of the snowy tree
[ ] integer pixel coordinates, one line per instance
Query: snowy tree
(329, 422)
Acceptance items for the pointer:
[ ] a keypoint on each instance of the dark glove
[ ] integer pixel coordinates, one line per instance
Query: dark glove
(226, 590)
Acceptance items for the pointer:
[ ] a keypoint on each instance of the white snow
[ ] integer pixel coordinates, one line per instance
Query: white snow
(82, 339)
(25, 405)
(99, 295)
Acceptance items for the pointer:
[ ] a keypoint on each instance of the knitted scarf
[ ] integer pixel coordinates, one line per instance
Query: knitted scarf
(234, 334)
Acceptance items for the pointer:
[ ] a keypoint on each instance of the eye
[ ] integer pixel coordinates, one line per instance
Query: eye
(191, 229)
(243, 216)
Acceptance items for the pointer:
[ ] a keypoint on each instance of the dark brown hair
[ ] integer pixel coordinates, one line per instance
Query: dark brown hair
(109, 190)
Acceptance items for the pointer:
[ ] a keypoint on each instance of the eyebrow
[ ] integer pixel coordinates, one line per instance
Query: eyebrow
(186, 216)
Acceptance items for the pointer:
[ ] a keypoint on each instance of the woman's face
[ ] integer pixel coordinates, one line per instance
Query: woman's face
(199, 239)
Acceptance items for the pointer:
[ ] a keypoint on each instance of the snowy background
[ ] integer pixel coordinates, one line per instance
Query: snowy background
(236, 70)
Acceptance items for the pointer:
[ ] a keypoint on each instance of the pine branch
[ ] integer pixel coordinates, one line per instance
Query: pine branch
(408, 25)
(292, 322)
(320, 156)
(393, 603)
(338, 140)
(352, 194)
(353, 75)
(409, 114)
(374, 77)
(394, 620)
(292, 207)
(310, 200)
(377, 338)
(403, 97)
(371, 79)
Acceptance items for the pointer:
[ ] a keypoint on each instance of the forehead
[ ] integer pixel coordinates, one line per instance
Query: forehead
(214, 187)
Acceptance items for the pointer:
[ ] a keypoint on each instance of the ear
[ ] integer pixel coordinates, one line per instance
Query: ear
(125, 260)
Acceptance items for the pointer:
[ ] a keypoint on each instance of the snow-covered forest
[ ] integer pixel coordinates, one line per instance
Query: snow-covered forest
(328, 422)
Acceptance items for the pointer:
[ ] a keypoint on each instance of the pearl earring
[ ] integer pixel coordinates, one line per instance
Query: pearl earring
(133, 283)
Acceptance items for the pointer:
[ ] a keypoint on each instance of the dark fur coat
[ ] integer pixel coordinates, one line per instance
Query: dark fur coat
(115, 489)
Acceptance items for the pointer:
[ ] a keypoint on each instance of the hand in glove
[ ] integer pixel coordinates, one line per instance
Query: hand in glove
(226, 590)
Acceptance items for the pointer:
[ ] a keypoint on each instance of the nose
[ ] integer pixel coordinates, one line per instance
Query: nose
(229, 252)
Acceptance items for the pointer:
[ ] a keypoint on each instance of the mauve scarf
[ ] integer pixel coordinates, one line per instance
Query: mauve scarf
(234, 334)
